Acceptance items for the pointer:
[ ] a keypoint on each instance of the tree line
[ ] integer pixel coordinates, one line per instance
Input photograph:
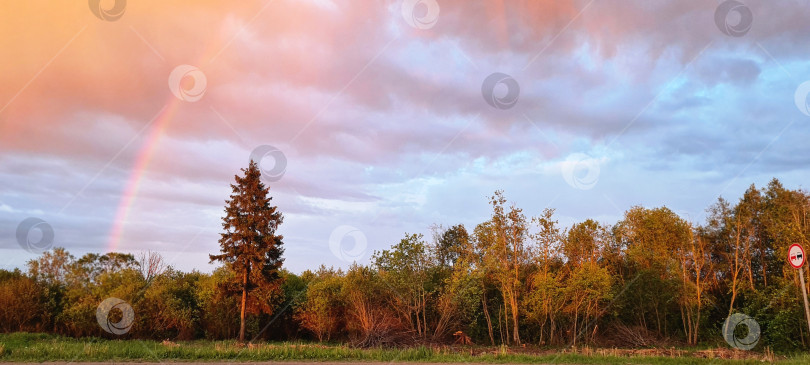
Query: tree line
(651, 278)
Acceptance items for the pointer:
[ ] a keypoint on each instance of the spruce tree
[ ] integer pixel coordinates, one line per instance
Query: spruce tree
(250, 246)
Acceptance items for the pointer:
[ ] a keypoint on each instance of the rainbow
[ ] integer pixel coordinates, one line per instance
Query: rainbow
(142, 161)
(144, 157)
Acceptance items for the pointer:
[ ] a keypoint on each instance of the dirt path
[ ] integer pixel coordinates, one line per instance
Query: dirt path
(252, 363)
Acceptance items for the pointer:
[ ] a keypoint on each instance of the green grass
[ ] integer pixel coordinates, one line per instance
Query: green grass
(44, 347)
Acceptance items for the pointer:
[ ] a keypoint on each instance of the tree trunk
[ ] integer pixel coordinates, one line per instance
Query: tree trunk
(543, 323)
(515, 327)
(486, 315)
(500, 326)
(418, 320)
(505, 323)
(424, 312)
(748, 262)
(736, 272)
(764, 267)
(574, 334)
(244, 301)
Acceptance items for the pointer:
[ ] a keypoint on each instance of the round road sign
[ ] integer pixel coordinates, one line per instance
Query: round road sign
(796, 255)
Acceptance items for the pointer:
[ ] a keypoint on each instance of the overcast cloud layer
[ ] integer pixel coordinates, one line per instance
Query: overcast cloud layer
(378, 109)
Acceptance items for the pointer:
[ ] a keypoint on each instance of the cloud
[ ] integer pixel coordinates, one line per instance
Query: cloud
(383, 125)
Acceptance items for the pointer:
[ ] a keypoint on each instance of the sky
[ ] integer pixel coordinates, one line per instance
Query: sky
(122, 124)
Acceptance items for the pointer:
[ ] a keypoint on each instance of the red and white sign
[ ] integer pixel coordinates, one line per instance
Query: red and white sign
(796, 255)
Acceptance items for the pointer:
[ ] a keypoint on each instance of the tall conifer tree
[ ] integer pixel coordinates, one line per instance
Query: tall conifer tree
(250, 245)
